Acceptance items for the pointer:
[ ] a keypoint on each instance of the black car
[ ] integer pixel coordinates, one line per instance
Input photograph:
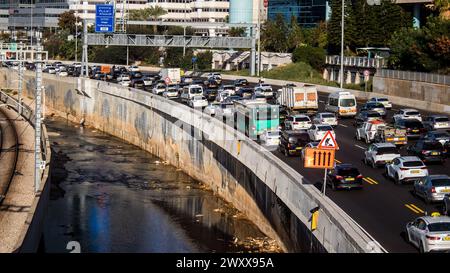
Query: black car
(210, 94)
(211, 83)
(245, 92)
(137, 83)
(197, 82)
(414, 127)
(344, 176)
(135, 75)
(292, 142)
(284, 112)
(240, 82)
(364, 116)
(428, 151)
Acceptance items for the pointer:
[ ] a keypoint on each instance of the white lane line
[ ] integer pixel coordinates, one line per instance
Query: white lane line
(321, 101)
(343, 125)
(361, 147)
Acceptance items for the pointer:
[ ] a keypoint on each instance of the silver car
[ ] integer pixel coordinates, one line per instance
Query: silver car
(432, 188)
(436, 122)
(430, 233)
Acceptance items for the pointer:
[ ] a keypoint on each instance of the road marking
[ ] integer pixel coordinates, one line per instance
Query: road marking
(322, 101)
(417, 208)
(372, 180)
(368, 181)
(412, 209)
(343, 125)
(337, 161)
(361, 147)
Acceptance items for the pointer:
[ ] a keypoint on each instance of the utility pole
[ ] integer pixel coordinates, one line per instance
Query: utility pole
(259, 38)
(37, 112)
(341, 73)
(76, 31)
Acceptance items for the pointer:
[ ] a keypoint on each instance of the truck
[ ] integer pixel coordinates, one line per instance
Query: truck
(379, 131)
(301, 99)
(172, 74)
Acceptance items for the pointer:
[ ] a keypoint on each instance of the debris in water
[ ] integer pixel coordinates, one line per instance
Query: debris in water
(259, 244)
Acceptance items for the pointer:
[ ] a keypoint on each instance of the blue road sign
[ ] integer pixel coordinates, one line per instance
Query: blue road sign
(104, 18)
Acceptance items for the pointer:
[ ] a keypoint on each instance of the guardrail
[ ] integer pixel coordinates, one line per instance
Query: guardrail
(356, 61)
(413, 76)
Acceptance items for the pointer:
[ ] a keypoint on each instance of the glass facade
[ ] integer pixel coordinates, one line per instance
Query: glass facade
(307, 12)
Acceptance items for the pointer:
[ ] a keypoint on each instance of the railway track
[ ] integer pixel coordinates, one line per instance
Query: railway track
(9, 151)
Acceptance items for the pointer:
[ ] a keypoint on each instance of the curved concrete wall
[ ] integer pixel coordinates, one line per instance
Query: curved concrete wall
(265, 189)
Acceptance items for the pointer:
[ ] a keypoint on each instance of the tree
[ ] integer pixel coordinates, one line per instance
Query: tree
(442, 7)
(313, 56)
(273, 35)
(67, 21)
(295, 36)
(236, 32)
(153, 13)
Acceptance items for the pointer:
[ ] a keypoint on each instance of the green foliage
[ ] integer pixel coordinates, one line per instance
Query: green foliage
(426, 49)
(151, 13)
(67, 21)
(236, 32)
(300, 71)
(273, 35)
(204, 60)
(314, 56)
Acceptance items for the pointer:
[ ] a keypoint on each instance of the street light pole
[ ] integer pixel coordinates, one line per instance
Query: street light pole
(76, 31)
(341, 73)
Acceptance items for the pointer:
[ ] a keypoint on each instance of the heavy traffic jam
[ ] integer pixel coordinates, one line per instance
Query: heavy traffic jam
(400, 144)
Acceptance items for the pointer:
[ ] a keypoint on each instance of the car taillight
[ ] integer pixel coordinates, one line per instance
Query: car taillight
(295, 123)
(359, 176)
(429, 237)
(338, 177)
(433, 189)
(403, 169)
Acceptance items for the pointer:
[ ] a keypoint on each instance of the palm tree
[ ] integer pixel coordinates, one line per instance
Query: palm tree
(152, 13)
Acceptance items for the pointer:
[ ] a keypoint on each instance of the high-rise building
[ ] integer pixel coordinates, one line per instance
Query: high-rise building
(306, 12)
(247, 11)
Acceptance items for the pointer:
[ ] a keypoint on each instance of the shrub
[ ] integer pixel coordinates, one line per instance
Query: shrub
(313, 56)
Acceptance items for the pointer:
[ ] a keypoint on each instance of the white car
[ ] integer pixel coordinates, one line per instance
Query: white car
(122, 77)
(222, 95)
(318, 131)
(133, 68)
(211, 109)
(385, 101)
(270, 138)
(407, 114)
(429, 233)
(159, 89)
(62, 73)
(198, 101)
(325, 118)
(171, 92)
(227, 88)
(380, 153)
(125, 82)
(406, 168)
(265, 89)
(297, 122)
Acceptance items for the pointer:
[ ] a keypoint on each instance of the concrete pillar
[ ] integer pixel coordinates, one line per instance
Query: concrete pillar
(332, 75)
(348, 79)
(357, 78)
(416, 15)
(325, 74)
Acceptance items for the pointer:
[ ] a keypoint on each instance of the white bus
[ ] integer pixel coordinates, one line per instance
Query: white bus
(341, 103)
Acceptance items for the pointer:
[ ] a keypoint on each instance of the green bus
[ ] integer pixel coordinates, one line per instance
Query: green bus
(254, 117)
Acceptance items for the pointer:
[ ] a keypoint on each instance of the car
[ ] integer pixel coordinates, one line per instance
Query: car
(159, 89)
(442, 136)
(198, 102)
(137, 83)
(385, 101)
(436, 122)
(317, 131)
(375, 106)
(222, 95)
(211, 83)
(429, 233)
(245, 92)
(414, 127)
(406, 169)
(49, 69)
(62, 71)
(122, 77)
(265, 89)
(231, 99)
(133, 68)
(428, 151)
(313, 145)
(227, 88)
(171, 91)
(446, 206)
(225, 111)
(210, 94)
(370, 130)
(211, 109)
(344, 176)
(297, 122)
(379, 154)
(432, 188)
(325, 118)
(240, 83)
(292, 142)
(270, 138)
(125, 82)
(283, 113)
(259, 96)
(148, 81)
(407, 114)
(365, 116)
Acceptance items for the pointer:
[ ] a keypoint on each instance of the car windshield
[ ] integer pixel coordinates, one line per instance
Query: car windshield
(383, 99)
(432, 146)
(324, 128)
(328, 116)
(196, 90)
(348, 172)
(302, 119)
(443, 119)
(435, 227)
(412, 113)
(413, 164)
(347, 102)
(387, 150)
(441, 182)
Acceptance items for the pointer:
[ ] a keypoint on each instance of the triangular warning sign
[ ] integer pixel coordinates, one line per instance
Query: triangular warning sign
(328, 142)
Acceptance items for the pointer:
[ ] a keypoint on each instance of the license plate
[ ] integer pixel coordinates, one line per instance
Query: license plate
(349, 179)
(298, 148)
(434, 153)
(415, 171)
(415, 131)
(447, 238)
(445, 190)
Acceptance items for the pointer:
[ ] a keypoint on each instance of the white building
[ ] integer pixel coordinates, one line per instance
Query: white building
(238, 60)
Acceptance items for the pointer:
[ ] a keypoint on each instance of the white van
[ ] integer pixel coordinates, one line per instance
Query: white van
(191, 91)
(342, 103)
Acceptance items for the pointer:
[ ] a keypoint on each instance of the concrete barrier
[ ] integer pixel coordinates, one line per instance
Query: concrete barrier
(265, 189)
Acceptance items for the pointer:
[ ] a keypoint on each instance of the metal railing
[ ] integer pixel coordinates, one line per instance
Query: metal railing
(413, 76)
(356, 61)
